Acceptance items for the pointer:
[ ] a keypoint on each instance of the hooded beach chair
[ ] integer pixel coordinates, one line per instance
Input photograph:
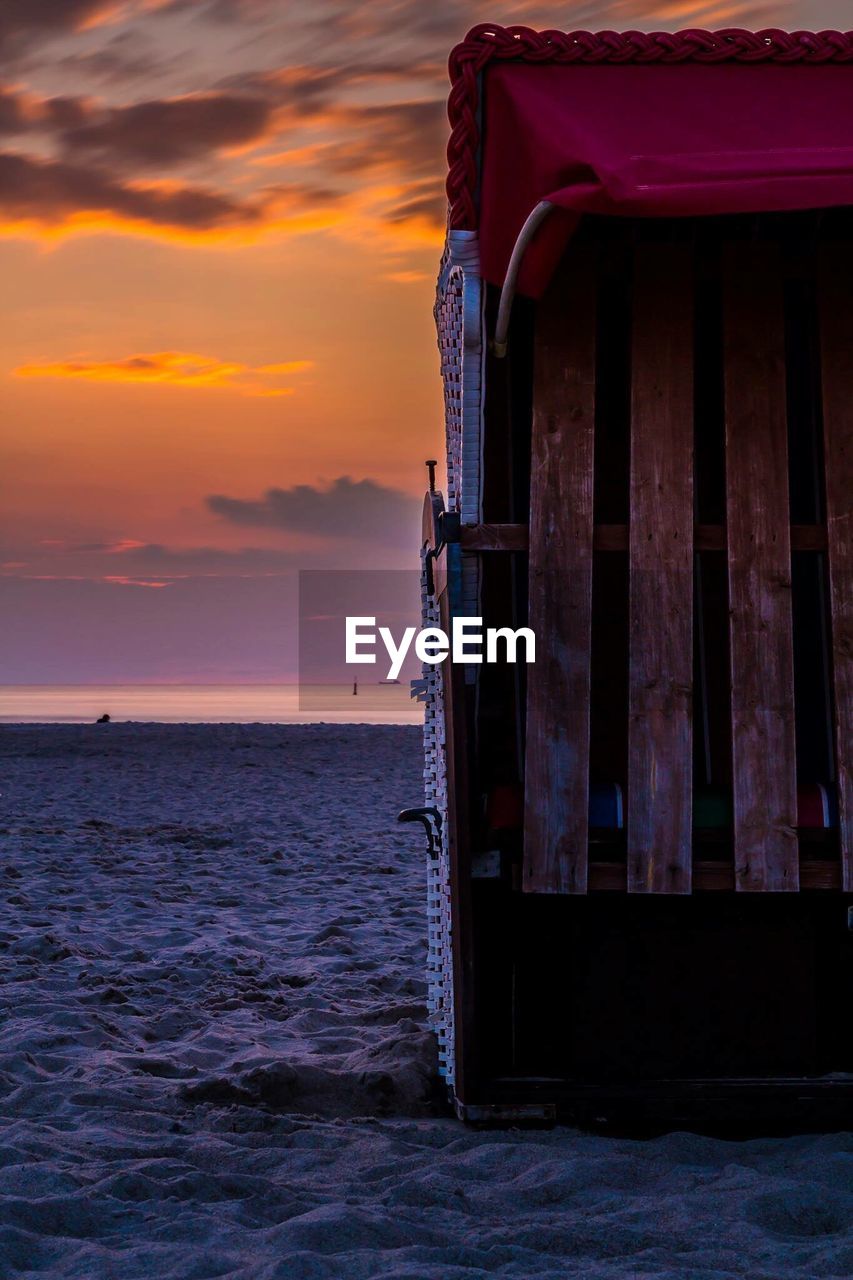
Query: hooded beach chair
(642, 864)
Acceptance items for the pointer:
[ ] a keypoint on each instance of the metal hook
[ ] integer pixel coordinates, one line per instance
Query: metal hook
(427, 815)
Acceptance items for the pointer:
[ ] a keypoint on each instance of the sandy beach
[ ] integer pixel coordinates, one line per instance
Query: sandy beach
(214, 1057)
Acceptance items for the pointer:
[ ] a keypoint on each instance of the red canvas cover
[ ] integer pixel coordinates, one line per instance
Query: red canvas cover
(655, 141)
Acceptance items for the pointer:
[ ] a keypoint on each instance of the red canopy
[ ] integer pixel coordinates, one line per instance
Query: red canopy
(652, 140)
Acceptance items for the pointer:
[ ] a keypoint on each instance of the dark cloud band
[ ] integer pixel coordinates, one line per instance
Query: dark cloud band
(169, 131)
(346, 508)
(48, 192)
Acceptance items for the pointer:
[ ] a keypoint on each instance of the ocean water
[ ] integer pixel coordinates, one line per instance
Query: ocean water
(210, 704)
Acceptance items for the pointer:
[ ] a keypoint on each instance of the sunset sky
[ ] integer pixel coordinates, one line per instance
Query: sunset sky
(220, 222)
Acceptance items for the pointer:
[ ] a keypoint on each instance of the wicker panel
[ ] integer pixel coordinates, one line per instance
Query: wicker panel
(439, 953)
(458, 316)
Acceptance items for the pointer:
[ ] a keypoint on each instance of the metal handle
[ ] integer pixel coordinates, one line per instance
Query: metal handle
(525, 235)
(428, 815)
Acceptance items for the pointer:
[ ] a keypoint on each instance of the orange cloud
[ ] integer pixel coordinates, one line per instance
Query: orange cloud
(124, 544)
(367, 171)
(102, 15)
(174, 369)
(118, 580)
(238, 237)
(398, 217)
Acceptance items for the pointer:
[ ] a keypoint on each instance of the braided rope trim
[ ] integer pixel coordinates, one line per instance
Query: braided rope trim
(485, 43)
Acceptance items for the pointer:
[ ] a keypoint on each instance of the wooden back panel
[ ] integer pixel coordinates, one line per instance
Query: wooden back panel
(754, 656)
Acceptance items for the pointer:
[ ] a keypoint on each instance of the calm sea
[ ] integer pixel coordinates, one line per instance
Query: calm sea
(209, 704)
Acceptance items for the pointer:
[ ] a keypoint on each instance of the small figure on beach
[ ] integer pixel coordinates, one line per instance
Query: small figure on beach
(104, 719)
(355, 688)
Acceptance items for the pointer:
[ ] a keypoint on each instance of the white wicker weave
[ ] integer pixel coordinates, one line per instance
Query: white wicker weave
(439, 953)
(459, 320)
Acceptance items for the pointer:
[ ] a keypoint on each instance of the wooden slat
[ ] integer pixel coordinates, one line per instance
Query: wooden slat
(710, 537)
(714, 877)
(614, 537)
(560, 592)
(493, 537)
(660, 757)
(759, 571)
(836, 293)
